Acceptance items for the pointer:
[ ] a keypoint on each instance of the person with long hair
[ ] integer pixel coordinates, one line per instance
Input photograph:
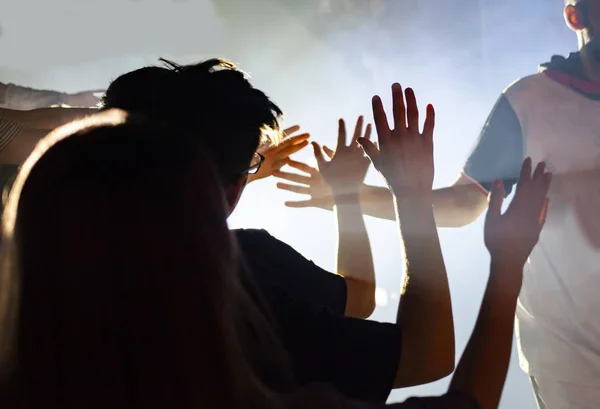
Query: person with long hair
(120, 284)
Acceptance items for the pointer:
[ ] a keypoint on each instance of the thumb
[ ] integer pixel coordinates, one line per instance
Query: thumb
(369, 147)
(318, 154)
(328, 151)
(496, 199)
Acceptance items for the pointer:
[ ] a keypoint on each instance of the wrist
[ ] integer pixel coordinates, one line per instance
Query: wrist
(506, 275)
(345, 198)
(346, 190)
(414, 200)
(411, 192)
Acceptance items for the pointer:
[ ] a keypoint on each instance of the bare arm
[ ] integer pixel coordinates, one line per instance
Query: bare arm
(25, 98)
(454, 206)
(35, 124)
(510, 238)
(344, 174)
(354, 258)
(425, 309)
(483, 366)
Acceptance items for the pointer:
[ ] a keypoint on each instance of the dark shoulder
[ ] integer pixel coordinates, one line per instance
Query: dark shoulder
(253, 234)
(262, 242)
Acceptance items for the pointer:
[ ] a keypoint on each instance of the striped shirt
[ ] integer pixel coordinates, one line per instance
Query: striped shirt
(8, 131)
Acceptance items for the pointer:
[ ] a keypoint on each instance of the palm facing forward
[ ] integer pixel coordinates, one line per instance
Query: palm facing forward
(405, 157)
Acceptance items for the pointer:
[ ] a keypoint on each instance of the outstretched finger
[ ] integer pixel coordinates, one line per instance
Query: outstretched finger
(341, 141)
(289, 150)
(303, 190)
(525, 176)
(357, 130)
(538, 185)
(292, 177)
(429, 124)
(398, 107)
(301, 203)
(329, 152)
(381, 121)
(495, 202)
(368, 132)
(318, 154)
(291, 130)
(412, 110)
(303, 167)
(278, 164)
(370, 149)
(293, 140)
(544, 212)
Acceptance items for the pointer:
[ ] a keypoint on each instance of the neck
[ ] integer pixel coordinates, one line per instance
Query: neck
(591, 67)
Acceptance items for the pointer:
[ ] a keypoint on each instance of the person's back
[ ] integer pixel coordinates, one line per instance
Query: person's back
(119, 286)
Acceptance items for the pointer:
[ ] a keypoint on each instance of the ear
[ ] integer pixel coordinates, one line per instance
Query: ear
(573, 18)
(234, 191)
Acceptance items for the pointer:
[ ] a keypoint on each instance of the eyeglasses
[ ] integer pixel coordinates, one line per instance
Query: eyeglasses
(257, 161)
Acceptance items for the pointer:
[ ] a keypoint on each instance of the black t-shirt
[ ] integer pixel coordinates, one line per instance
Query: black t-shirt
(358, 357)
(277, 265)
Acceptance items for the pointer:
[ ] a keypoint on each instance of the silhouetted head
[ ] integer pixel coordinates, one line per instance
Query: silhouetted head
(583, 17)
(119, 285)
(212, 100)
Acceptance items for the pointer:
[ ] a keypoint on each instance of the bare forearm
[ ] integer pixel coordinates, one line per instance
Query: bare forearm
(354, 258)
(377, 202)
(425, 310)
(458, 205)
(454, 206)
(32, 126)
(482, 369)
(25, 98)
(45, 119)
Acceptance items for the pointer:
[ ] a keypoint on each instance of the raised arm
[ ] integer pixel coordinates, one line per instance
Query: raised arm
(25, 98)
(497, 155)
(277, 156)
(510, 238)
(344, 174)
(23, 129)
(405, 160)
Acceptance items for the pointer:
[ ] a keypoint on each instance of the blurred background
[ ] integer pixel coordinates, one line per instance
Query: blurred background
(319, 60)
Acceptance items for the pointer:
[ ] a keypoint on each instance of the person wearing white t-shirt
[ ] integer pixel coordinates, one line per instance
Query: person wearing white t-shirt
(551, 116)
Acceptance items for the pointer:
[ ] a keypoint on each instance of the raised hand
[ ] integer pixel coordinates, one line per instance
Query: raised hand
(405, 155)
(510, 237)
(277, 156)
(346, 162)
(309, 183)
(347, 168)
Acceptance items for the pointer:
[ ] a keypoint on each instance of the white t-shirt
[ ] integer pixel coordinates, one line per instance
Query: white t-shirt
(557, 315)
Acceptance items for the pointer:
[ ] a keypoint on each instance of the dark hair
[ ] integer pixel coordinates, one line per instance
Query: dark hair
(212, 99)
(119, 283)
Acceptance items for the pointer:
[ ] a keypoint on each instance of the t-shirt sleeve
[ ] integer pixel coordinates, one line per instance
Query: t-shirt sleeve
(499, 150)
(276, 264)
(8, 131)
(359, 358)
